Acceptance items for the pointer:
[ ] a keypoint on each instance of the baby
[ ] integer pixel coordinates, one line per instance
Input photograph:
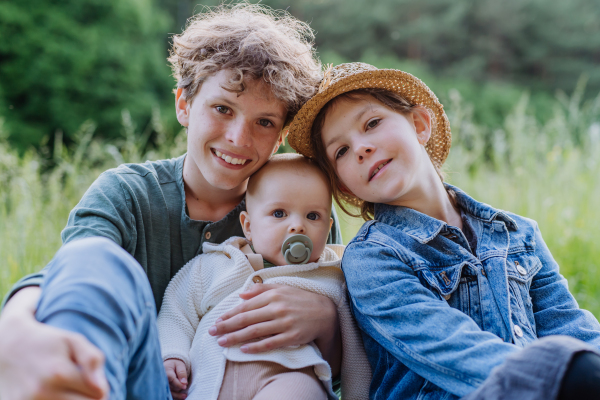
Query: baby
(286, 224)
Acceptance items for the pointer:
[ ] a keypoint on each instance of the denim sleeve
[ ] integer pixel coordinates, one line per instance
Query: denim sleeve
(555, 309)
(415, 325)
(103, 211)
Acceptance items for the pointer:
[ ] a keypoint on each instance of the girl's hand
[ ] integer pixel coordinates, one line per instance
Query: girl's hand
(177, 374)
(284, 316)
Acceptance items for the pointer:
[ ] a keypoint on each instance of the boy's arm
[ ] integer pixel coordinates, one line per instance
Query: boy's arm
(555, 309)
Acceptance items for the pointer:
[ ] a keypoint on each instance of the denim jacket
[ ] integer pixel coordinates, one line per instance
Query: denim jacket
(437, 316)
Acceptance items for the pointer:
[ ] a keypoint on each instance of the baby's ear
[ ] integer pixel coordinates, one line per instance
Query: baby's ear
(245, 221)
(330, 223)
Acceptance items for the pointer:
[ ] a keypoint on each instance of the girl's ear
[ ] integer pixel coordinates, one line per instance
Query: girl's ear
(245, 221)
(182, 108)
(422, 123)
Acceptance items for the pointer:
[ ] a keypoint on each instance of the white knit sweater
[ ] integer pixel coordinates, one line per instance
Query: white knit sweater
(210, 284)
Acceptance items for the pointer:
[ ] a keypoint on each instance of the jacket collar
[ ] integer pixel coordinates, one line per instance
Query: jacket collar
(424, 228)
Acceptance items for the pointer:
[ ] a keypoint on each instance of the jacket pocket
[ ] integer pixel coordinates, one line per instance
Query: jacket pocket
(520, 269)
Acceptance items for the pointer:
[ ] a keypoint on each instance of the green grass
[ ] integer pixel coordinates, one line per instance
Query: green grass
(546, 171)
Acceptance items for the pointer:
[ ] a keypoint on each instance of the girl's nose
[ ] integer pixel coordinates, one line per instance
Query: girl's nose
(364, 151)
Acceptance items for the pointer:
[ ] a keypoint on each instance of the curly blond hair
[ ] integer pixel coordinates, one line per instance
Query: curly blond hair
(253, 41)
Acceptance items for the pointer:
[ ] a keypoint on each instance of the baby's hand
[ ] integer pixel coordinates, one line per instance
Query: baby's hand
(177, 374)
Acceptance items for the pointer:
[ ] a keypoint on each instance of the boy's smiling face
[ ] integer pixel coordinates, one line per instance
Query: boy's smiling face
(230, 134)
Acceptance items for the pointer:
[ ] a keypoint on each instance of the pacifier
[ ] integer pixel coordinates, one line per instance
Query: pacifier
(296, 249)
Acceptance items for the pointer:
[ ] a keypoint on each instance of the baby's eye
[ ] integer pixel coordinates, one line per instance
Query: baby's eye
(278, 214)
(313, 216)
(222, 109)
(265, 122)
(373, 123)
(341, 152)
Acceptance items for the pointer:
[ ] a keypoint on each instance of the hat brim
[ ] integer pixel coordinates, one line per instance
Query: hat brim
(400, 82)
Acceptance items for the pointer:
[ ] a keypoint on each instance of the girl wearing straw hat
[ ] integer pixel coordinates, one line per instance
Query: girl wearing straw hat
(454, 297)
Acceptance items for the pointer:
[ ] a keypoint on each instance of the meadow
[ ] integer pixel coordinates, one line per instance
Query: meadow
(547, 170)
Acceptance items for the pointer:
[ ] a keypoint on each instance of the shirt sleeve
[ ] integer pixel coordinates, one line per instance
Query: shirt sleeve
(414, 324)
(555, 309)
(104, 210)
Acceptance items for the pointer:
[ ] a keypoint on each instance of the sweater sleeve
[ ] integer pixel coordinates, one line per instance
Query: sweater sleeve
(179, 315)
(356, 370)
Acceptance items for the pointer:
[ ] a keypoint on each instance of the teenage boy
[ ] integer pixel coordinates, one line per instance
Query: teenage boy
(241, 72)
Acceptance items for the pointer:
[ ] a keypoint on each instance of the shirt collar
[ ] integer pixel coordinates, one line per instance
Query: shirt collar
(424, 228)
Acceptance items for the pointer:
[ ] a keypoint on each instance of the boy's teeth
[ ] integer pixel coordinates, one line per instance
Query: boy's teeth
(229, 159)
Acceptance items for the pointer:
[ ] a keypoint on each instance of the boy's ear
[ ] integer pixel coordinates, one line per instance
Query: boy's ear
(422, 122)
(282, 136)
(182, 108)
(245, 221)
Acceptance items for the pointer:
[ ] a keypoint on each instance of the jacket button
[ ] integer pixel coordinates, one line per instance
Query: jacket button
(207, 235)
(518, 331)
(520, 268)
(257, 279)
(483, 272)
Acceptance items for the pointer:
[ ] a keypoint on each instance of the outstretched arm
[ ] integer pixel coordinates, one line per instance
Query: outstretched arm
(287, 316)
(37, 360)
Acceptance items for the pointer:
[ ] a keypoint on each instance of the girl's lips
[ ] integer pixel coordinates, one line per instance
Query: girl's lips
(375, 170)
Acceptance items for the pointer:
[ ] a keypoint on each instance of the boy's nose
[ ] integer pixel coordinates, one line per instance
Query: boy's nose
(239, 134)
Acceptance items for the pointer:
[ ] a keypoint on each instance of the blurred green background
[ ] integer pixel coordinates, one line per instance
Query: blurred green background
(84, 86)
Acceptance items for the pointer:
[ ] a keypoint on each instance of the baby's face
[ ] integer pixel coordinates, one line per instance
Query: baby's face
(286, 204)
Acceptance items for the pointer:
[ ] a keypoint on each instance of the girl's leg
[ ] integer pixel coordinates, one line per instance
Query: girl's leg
(95, 288)
(536, 372)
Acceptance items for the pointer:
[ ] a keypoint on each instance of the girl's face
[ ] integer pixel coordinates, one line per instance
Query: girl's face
(377, 153)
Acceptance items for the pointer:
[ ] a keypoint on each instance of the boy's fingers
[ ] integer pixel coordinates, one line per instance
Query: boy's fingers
(252, 332)
(91, 362)
(273, 342)
(257, 289)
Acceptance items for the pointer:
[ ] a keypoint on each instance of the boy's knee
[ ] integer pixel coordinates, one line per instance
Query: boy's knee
(99, 258)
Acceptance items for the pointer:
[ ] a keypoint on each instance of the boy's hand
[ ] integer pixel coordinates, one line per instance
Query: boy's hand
(38, 361)
(286, 316)
(177, 374)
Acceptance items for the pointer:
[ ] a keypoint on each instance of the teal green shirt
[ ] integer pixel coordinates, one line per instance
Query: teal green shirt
(142, 208)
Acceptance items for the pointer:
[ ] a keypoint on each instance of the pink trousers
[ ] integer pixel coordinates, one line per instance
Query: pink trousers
(262, 380)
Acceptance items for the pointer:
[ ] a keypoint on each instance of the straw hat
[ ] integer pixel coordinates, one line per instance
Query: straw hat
(351, 76)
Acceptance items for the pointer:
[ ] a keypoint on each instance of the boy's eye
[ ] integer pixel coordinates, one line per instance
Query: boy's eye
(373, 123)
(341, 152)
(222, 109)
(265, 122)
(278, 214)
(313, 216)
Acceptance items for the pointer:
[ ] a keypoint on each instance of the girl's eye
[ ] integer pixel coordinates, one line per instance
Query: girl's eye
(373, 123)
(278, 214)
(222, 109)
(313, 216)
(341, 152)
(265, 122)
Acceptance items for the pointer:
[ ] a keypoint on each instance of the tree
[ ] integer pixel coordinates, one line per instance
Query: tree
(63, 62)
